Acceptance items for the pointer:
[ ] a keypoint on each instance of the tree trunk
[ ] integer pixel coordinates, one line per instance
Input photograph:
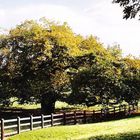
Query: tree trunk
(47, 103)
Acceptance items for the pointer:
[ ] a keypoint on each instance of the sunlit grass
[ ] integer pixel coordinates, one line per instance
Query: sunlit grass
(58, 106)
(26, 106)
(61, 106)
(125, 129)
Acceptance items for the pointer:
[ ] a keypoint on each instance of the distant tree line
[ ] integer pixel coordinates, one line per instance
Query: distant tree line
(44, 61)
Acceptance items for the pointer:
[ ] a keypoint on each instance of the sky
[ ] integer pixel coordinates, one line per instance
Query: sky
(100, 18)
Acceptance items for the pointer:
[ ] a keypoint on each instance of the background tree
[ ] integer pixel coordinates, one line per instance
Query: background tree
(115, 51)
(108, 79)
(131, 80)
(99, 83)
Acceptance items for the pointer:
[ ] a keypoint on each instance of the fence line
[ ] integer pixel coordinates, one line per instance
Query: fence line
(16, 126)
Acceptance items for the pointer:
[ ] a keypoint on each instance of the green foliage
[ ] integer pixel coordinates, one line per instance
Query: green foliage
(97, 83)
(35, 57)
(45, 61)
(131, 79)
(115, 51)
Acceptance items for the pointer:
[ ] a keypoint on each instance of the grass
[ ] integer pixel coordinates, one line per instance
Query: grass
(26, 106)
(58, 106)
(125, 129)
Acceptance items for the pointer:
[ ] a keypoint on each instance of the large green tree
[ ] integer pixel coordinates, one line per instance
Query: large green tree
(38, 60)
(45, 61)
(35, 57)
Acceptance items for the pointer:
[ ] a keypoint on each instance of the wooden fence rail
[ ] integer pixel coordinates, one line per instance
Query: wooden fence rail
(15, 126)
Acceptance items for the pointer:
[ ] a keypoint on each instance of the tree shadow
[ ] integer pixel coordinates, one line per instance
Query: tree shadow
(125, 136)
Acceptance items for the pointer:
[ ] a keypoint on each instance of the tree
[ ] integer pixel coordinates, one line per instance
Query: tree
(38, 56)
(108, 79)
(40, 59)
(5, 85)
(130, 7)
(97, 84)
(45, 61)
(131, 80)
(115, 51)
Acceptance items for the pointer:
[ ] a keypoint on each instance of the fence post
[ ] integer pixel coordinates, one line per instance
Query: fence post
(137, 107)
(2, 129)
(85, 116)
(105, 114)
(108, 110)
(31, 122)
(133, 108)
(125, 109)
(114, 111)
(64, 118)
(93, 112)
(119, 108)
(51, 119)
(75, 121)
(101, 116)
(18, 125)
(42, 121)
(129, 110)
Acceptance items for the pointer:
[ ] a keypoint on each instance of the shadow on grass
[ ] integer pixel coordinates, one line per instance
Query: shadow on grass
(127, 136)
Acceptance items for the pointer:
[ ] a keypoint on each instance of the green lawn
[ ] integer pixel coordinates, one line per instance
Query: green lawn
(125, 129)
(58, 106)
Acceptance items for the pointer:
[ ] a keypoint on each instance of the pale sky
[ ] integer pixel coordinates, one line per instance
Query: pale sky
(100, 18)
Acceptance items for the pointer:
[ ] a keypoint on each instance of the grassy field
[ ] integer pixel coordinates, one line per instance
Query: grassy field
(58, 106)
(125, 129)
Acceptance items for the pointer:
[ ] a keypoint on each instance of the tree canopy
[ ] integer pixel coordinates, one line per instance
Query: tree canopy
(44, 61)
